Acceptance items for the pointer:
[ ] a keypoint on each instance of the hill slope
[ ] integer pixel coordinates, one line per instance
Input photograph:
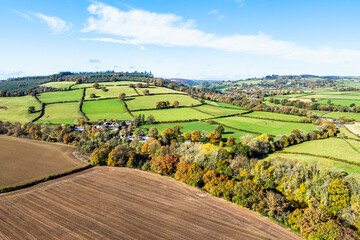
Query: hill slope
(121, 203)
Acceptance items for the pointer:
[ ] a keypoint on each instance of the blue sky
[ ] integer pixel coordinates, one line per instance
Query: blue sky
(195, 39)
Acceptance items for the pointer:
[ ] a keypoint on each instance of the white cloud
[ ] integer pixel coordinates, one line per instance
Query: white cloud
(214, 11)
(57, 25)
(141, 27)
(54, 23)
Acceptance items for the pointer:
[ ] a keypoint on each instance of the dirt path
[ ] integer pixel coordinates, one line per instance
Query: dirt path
(122, 203)
(351, 128)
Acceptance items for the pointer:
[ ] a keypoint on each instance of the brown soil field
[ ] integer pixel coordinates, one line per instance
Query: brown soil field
(122, 203)
(24, 160)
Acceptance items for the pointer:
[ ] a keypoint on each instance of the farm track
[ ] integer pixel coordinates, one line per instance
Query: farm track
(352, 129)
(122, 203)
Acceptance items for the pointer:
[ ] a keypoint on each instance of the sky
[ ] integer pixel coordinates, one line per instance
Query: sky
(192, 39)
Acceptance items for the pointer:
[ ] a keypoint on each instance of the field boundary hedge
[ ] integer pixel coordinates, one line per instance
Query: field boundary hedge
(126, 108)
(322, 156)
(136, 91)
(45, 179)
(81, 104)
(42, 112)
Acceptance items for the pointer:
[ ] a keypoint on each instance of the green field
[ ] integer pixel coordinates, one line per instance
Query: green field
(61, 96)
(60, 85)
(102, 84)
(356, 116)
(333, 96)
(149, 102)
(332, 147)
(174, 114)
(306, 158)
(105, 109)
(17, 108)
(157, 90)
(61, 113)
(264, 126)
(218, 111)
(275, 116)
(192, 126)
(345, 103)
(221, 104)
(112, 92)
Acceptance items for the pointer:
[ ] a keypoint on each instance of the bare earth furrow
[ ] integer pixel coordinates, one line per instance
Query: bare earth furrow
(122, 203)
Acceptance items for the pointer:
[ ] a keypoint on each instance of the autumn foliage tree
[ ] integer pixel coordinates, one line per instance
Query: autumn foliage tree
(164, 165)
(100, 155)
(189, 173)
(214, 137)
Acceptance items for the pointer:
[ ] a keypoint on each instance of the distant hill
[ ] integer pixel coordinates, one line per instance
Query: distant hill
(191, 82)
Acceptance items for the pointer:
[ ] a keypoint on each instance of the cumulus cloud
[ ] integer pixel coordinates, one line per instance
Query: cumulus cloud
(57, 25)
(141, 27)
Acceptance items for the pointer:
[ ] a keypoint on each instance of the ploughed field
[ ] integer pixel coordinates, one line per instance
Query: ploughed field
(122, 203)
(23, 161)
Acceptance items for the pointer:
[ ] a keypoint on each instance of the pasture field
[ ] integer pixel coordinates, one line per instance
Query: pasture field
(112, 92)
(345, 103)
(35, 161)
(347, 133)
(271, 127)
(149, 102)
(105, 109)
(218, 111)
(306, 158)
(193, 126)
(330, 147)
(60, 85)
(60, 96)
(221, 104)
(15, 109)
(174, 114)
(61, 113)
(122, 203)
(275, 116)
(356, 116)
(333, 96)
(157, 90)
(103, 84)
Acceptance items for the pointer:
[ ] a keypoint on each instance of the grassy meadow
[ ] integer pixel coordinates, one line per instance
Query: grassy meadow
(218, 111)
(149, 102)
(193, 126)
(105, 109)
(112, 92)
(275, 116)
(306, 158)
(61, 113)
(332, 147)
(60, 85)
(174, 114)
(61, 96)
(17, 109)
(271, 127)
